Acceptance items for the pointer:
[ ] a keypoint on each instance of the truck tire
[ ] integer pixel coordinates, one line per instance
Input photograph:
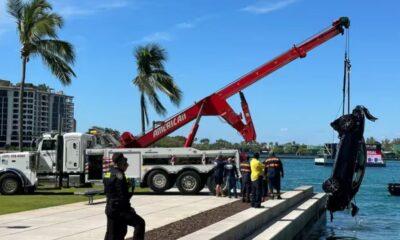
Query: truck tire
(158, 181)
(9, 184)
(189, 182)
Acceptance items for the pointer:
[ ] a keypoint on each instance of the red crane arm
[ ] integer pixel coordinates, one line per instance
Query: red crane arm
(216, 105)
(297, 51)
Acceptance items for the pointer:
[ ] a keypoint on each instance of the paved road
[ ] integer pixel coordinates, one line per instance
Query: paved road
(82, 221)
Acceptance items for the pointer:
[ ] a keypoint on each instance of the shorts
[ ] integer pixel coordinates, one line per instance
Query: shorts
(219, 180)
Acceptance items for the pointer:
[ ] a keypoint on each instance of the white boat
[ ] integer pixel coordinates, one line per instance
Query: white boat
(327, 157)
(323, 160)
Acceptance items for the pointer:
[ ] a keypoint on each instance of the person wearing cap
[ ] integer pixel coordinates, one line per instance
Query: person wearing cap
(274, 168)
(231, 175)
(257, 173)
(119, 212)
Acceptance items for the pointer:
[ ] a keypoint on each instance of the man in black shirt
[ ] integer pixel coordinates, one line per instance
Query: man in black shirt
(119, 212)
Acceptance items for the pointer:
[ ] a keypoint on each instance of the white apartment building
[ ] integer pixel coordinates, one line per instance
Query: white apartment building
(42, 110)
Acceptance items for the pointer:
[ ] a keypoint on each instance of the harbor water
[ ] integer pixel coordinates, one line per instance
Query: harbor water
(379, 214)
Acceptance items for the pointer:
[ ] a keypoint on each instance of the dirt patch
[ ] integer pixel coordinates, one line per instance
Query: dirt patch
(196, 222)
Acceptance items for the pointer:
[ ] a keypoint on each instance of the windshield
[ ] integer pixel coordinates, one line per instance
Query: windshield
(49, 145)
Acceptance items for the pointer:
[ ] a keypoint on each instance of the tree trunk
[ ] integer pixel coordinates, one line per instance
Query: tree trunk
(21, 103)
(142, 106)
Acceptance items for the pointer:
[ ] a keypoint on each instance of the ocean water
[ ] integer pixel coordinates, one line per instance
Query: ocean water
(379, 214)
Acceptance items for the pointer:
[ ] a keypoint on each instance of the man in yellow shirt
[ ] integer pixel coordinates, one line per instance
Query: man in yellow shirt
(257, 172)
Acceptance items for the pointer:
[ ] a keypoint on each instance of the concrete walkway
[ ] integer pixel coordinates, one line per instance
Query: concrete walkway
(82, 221)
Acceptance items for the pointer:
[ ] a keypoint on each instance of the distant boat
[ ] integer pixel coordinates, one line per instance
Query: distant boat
(374, 155)
(327, 157)
(394, 189)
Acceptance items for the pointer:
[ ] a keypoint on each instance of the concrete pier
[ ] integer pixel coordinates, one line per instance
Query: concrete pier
(279, 219)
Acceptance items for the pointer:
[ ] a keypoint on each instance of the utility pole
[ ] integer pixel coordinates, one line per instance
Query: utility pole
(60, 143)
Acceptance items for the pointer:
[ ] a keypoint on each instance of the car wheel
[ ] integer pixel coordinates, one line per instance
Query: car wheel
(331, 185)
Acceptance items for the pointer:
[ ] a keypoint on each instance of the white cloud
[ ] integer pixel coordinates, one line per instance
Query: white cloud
(168, 35)
(113, 5)
(185, 25)
(262, 7)
(284, 129)
(157, 37)
(70, 9)
(193, 23)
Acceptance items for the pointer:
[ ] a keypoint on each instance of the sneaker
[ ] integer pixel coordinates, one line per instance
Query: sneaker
(243, 200)
(279, 197)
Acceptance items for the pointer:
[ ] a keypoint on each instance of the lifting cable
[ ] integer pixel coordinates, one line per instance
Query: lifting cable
(346, 79)
(346, 74)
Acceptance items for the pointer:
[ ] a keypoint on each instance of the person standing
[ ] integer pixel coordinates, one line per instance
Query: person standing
(119, 212)
(274, 168)
(245, 171)
(219, 176)
(257, 172)
(231, 174)
(265, 185)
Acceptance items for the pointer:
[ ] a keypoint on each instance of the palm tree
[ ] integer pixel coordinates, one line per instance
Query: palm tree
(37, 28)
(151, 78)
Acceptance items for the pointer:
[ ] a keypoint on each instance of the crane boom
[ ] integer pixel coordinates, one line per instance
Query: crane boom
(216, 104)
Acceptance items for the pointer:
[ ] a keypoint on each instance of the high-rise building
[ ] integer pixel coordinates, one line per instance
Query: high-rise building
(42, 107)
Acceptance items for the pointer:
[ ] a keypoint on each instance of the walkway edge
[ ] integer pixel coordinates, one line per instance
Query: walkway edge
(243, 224)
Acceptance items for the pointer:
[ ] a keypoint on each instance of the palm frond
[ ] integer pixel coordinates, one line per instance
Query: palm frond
(60, 48)
(15, 9)
(165, 83)
(143, 108)
(46, 26)
(157, 56)
(58, 66)
(155, 101)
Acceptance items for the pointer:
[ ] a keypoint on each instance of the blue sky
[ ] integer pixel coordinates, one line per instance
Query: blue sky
(212, 43)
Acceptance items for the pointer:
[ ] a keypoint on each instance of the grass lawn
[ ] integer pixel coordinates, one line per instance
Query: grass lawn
(47, 197)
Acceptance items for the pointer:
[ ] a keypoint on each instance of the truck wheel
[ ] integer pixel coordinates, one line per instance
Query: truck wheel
(9, 184)
(189, 182)
(158, 181)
